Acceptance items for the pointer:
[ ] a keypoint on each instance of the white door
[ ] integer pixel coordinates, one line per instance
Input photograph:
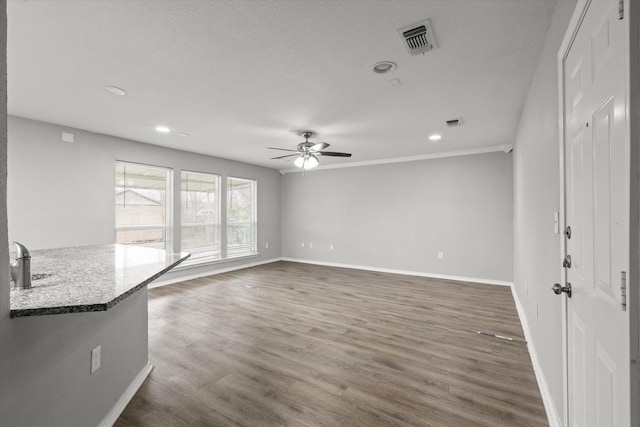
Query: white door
(596, 156)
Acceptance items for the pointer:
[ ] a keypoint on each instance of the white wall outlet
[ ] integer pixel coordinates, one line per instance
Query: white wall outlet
(330, 247)
(310, 245)
(67, 137)
(556, 222)
(302, 245)
(266, 245)
(95, 358)
(440, 255)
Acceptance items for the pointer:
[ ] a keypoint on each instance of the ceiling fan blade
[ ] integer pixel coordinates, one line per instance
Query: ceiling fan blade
(333, 154)
(319, 146)
(282, 157)
(281, 149)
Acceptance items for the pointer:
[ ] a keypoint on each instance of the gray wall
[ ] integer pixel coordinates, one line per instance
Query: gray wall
(62, 194)
(537, 197)
(400, 215)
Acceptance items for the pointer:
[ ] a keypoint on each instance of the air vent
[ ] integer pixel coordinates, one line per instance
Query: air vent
(454, 122)
(418, 38)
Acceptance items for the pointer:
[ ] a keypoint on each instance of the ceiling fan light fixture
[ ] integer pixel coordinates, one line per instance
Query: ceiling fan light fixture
(307, 153)
(307, 161)
(312, 162)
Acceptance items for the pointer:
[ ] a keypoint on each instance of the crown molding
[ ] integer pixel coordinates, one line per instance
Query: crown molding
(507, 148)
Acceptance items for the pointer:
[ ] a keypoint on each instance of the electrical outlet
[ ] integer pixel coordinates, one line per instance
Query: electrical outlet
(302, 245)
(330, 247)
(310, 245)
(95, 358)
(440, 255)
(266, 245)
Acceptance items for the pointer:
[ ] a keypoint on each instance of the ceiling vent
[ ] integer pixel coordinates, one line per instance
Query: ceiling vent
(418, 38)
(454, 122)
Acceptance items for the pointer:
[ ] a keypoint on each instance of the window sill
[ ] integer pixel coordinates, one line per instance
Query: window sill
(205, 262)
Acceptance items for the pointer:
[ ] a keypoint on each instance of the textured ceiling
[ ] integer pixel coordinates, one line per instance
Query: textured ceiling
(238, 76)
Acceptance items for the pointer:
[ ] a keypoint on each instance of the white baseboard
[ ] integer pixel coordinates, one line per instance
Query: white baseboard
(405, 272)
(112, 416)
(210, 273)
(549, 406)
(330, 264)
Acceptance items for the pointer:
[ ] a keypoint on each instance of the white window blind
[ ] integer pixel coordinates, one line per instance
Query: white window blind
(241, 217)
(143, 205)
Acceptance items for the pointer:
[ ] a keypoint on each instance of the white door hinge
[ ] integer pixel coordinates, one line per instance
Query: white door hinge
(623, 290)
(620, 9)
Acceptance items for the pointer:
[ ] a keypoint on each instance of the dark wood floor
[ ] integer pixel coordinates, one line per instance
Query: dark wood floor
(289, 344)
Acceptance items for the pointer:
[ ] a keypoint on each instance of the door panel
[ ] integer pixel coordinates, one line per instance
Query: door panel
(605, 389)
(602, 135)
(601, 43)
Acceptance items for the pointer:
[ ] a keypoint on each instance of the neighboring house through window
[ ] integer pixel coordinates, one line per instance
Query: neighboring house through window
(143, 205)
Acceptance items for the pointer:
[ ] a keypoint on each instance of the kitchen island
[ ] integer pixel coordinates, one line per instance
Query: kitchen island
(48, 359)
(88, 278)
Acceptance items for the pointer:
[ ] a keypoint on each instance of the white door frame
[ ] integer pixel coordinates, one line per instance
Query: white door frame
(633, 291)
(632, 31)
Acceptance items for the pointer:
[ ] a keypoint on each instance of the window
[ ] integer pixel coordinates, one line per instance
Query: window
(200, 215)
(241, 217)
(143, 205)
(144, 212)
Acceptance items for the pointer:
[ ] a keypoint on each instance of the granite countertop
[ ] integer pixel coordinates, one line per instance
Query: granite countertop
(88, 278)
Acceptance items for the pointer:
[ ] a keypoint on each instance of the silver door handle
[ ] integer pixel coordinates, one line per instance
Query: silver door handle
(558, 289)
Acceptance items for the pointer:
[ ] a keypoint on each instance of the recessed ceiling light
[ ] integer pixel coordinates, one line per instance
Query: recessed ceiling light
(435, 137)
(383, 67)
(115, 90)
(163, 129)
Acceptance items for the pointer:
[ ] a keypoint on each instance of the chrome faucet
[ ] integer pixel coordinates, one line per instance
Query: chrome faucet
(21, 268)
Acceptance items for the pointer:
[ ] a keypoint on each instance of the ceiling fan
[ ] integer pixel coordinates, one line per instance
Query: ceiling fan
(307, 152)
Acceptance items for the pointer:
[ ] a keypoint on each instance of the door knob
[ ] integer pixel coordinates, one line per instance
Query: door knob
(558, 289)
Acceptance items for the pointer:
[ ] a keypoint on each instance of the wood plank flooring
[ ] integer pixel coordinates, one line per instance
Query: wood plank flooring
(288, 344)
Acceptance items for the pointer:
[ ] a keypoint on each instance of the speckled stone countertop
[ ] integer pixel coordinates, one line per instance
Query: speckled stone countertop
(88, 278)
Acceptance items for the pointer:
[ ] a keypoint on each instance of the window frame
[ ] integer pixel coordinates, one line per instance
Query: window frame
(253, 248)
(195, 259)
(167, 227)
(173, 215)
